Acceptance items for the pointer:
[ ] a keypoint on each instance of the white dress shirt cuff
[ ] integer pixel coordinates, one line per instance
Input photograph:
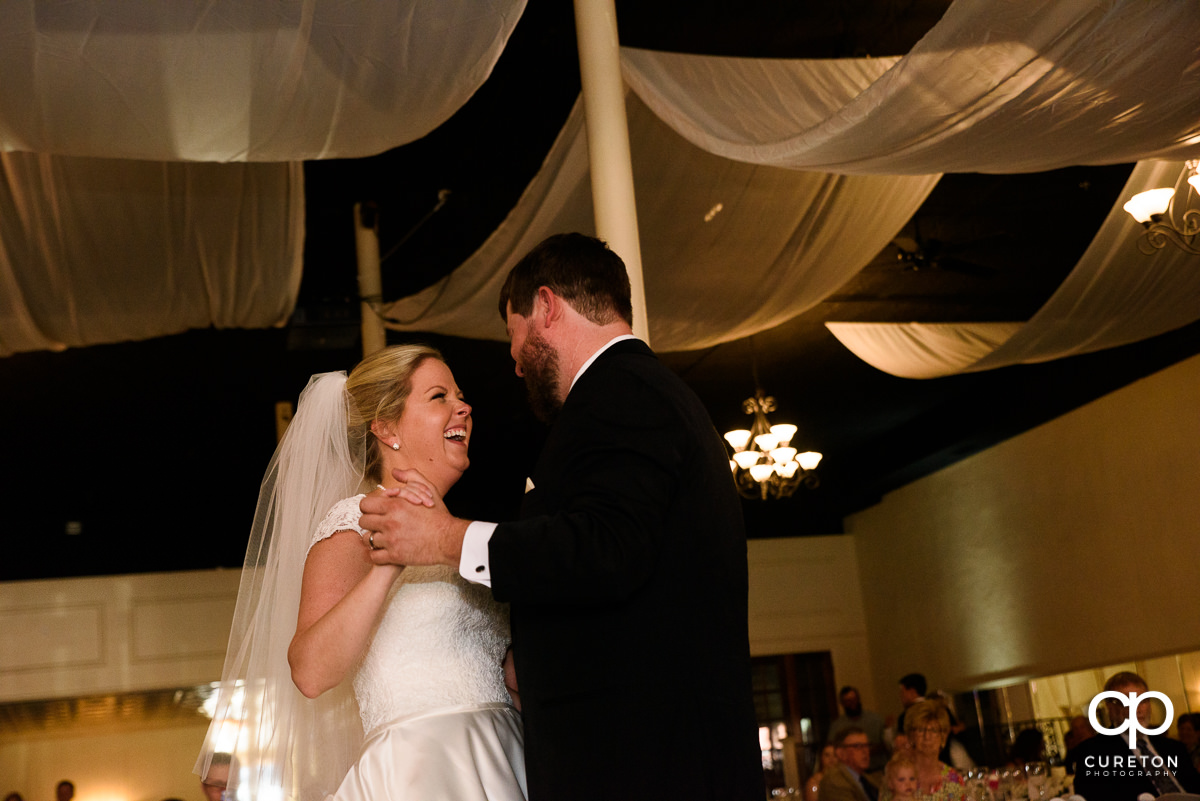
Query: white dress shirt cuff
(474, 565)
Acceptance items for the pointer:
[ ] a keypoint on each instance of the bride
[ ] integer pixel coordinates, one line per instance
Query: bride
(429, 715)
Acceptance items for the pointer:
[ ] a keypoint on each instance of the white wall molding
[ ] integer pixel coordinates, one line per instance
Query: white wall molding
(70, 637)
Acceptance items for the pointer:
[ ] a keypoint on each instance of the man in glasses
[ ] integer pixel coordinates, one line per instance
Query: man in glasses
(849, 780)
(214, 784)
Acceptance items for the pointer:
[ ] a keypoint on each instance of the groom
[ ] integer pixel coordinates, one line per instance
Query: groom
(627, 572)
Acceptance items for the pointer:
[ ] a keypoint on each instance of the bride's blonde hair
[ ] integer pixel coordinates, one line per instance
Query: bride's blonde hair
(377, 389)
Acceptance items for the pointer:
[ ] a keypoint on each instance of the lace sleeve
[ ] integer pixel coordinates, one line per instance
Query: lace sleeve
(342, 517)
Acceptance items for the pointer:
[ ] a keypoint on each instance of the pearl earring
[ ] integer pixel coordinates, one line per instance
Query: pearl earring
(395, 446)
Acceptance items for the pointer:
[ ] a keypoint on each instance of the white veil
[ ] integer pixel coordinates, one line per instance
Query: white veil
(286, 746)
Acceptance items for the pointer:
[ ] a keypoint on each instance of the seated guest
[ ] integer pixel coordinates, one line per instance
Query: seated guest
(827, 761)
(1106, 769)
(1079, 730)
(927, 725)
(213, 785)
(900, 778)
(1188, 729)
(1029, 746)
(848, 780)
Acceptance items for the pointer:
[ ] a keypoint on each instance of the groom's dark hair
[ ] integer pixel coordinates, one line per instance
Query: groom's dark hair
(580, 269)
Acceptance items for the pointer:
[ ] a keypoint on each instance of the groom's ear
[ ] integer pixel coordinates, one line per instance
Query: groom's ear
(550, 305)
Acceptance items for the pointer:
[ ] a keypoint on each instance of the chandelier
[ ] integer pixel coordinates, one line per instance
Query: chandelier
(764, 464)
(1167, 215)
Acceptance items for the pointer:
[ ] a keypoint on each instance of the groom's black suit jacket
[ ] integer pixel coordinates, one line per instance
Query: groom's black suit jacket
(628, 583)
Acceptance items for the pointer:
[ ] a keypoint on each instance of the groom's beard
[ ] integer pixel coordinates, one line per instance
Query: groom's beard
(539, 363)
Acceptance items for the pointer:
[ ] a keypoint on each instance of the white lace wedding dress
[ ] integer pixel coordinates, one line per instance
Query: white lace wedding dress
(430, 689)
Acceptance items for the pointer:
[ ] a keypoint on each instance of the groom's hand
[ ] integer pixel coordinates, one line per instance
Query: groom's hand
(407, 533)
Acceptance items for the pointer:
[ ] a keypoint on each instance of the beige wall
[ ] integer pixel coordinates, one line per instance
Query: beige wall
(1073, 545)
(805, 596)
(147, 765)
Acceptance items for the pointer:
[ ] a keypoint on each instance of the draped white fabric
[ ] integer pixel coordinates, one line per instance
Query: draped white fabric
(781, 241)
(993, 87)
(1115, 295)
(106, 236)
(103, 250)
(922, 350)
(228, 80)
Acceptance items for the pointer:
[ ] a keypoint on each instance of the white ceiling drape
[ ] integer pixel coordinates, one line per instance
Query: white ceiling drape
(781, 241)
(1115, 295)
(733, 242)
(228, 80)
(922, 350)
(100, 250)
(993, 87)
(989, 88)
(116, 222)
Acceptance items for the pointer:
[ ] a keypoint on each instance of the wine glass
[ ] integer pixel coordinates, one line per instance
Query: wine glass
(1010, 783)
(1037, 777)
(977, 784)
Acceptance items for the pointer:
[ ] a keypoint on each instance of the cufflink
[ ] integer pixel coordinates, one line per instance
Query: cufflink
(479, 568)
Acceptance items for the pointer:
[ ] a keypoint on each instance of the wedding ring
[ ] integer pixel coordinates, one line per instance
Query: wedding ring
(371, 542)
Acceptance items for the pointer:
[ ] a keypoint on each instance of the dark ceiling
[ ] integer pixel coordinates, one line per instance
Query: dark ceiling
(155, 449)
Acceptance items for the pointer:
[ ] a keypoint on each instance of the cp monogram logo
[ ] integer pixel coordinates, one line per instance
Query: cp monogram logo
(1131, 722)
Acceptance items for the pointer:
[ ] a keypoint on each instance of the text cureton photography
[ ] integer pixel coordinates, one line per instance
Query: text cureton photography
(1141, 761)
(1131, 765)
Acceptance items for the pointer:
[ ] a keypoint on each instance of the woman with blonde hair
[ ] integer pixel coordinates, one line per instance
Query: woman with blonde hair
(347, 680)
(927, 725)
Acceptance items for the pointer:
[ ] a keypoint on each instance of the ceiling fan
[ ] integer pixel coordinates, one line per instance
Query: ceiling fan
(916, 253)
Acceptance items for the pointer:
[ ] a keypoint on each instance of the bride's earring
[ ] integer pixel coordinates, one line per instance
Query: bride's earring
(395, 446)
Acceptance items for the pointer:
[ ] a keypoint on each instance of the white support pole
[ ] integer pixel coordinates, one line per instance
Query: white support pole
(370, 282)
(608, 143)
